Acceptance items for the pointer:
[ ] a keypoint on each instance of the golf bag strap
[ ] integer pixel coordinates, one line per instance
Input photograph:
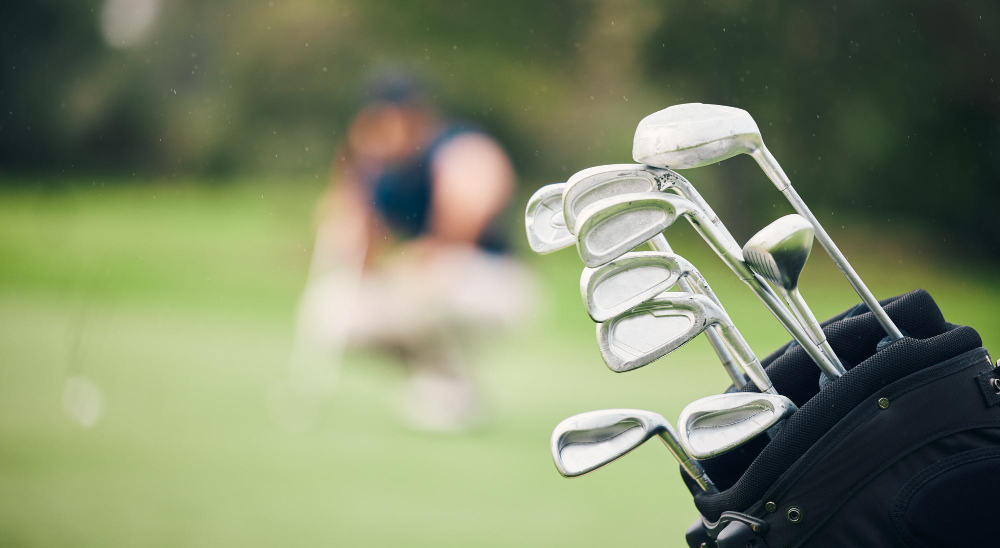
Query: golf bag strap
(989, 385)
(732, 529)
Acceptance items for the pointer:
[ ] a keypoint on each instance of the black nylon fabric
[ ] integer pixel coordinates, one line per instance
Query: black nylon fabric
(848, 484)
(795, 376)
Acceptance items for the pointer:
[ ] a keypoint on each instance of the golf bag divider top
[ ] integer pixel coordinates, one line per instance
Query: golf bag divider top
(902, 451)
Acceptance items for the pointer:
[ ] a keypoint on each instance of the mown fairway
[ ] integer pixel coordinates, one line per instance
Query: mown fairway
(176, 300)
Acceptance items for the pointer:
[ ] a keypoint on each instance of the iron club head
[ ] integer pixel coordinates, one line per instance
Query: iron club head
(656, 328)
(596, 183)
(693, 135)
(714, 425)
(544, 222)
(608, 228)
(588, 441)
(630, 280)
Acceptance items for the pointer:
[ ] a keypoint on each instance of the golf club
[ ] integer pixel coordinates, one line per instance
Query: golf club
(609, 228)
(595, 183)
(695, 134)
(588, 441)
(778, 253)
(592, 184)
(634, 278)
(544, 222)
(658, 327)
(714, 425)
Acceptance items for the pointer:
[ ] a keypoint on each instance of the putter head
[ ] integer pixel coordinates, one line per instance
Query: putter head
(780, 250)
(609, 228)
(544, 222)
(588, 441)
(694, 135)
(655, 328)
(714, 425)
(596, 183)
(628, 281)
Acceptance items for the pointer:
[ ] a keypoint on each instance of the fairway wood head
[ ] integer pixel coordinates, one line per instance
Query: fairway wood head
(780, 250)
(596, 183)
(585, 442)
(654, 329)
(544, 222)
(714, 425)
(628, 281)
(609, 228)
(693, 135)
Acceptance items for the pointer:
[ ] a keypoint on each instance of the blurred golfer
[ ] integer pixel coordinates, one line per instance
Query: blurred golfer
(410, 253)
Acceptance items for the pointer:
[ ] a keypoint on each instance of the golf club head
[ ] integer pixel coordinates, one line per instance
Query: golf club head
(544, 222)
(693, 135)
(628, 281)
(609, 228)
(588, 441)
(596, 183)
(714, 425)
(655, 328)
(780, 250)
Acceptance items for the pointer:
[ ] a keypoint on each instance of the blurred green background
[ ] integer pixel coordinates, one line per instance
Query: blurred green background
(160, 164)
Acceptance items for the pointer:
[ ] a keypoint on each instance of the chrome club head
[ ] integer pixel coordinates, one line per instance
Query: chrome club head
(588, 441)
(596, 183)
(714, 425)
(630, 280)
(693, 135)
(608, 228)
(657, 327)
(780, 250)
(544, 222)
(778, 253)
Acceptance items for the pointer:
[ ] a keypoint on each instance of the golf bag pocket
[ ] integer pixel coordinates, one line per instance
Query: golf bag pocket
(950, 503)
(902, 451)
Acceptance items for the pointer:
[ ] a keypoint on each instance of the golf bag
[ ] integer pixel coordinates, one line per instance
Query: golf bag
(902, 451)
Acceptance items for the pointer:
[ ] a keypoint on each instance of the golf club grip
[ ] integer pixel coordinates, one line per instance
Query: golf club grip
(774, 172)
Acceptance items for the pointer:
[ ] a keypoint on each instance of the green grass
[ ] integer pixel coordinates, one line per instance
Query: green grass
(177, 298)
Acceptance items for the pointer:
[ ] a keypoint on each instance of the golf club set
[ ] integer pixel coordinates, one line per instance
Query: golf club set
(609, 211)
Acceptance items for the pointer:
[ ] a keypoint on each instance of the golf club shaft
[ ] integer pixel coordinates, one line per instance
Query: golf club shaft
(691, 466)
(777, 176)
(806, 317)
(659, 243)
(732, 255)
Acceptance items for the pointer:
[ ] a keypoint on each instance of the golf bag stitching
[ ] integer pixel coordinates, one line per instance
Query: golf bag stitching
(901, 502)
(864, 411)
(788, 482)
(859, 415)
(888, 463)
(950, 335)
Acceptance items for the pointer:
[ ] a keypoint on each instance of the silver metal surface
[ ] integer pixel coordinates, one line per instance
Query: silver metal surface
(544, 222)
(609, 228)
(714, 425)
(636, 277)
(778, 253)
(595, 183)
(714, 334)
(588, 441)
(633, 279)
(693, 135)
(658, 327)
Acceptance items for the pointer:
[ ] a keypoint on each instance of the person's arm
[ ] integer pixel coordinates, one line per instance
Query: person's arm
(473, 181)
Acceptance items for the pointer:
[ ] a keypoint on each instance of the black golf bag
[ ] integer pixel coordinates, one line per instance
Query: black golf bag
(902, 451)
